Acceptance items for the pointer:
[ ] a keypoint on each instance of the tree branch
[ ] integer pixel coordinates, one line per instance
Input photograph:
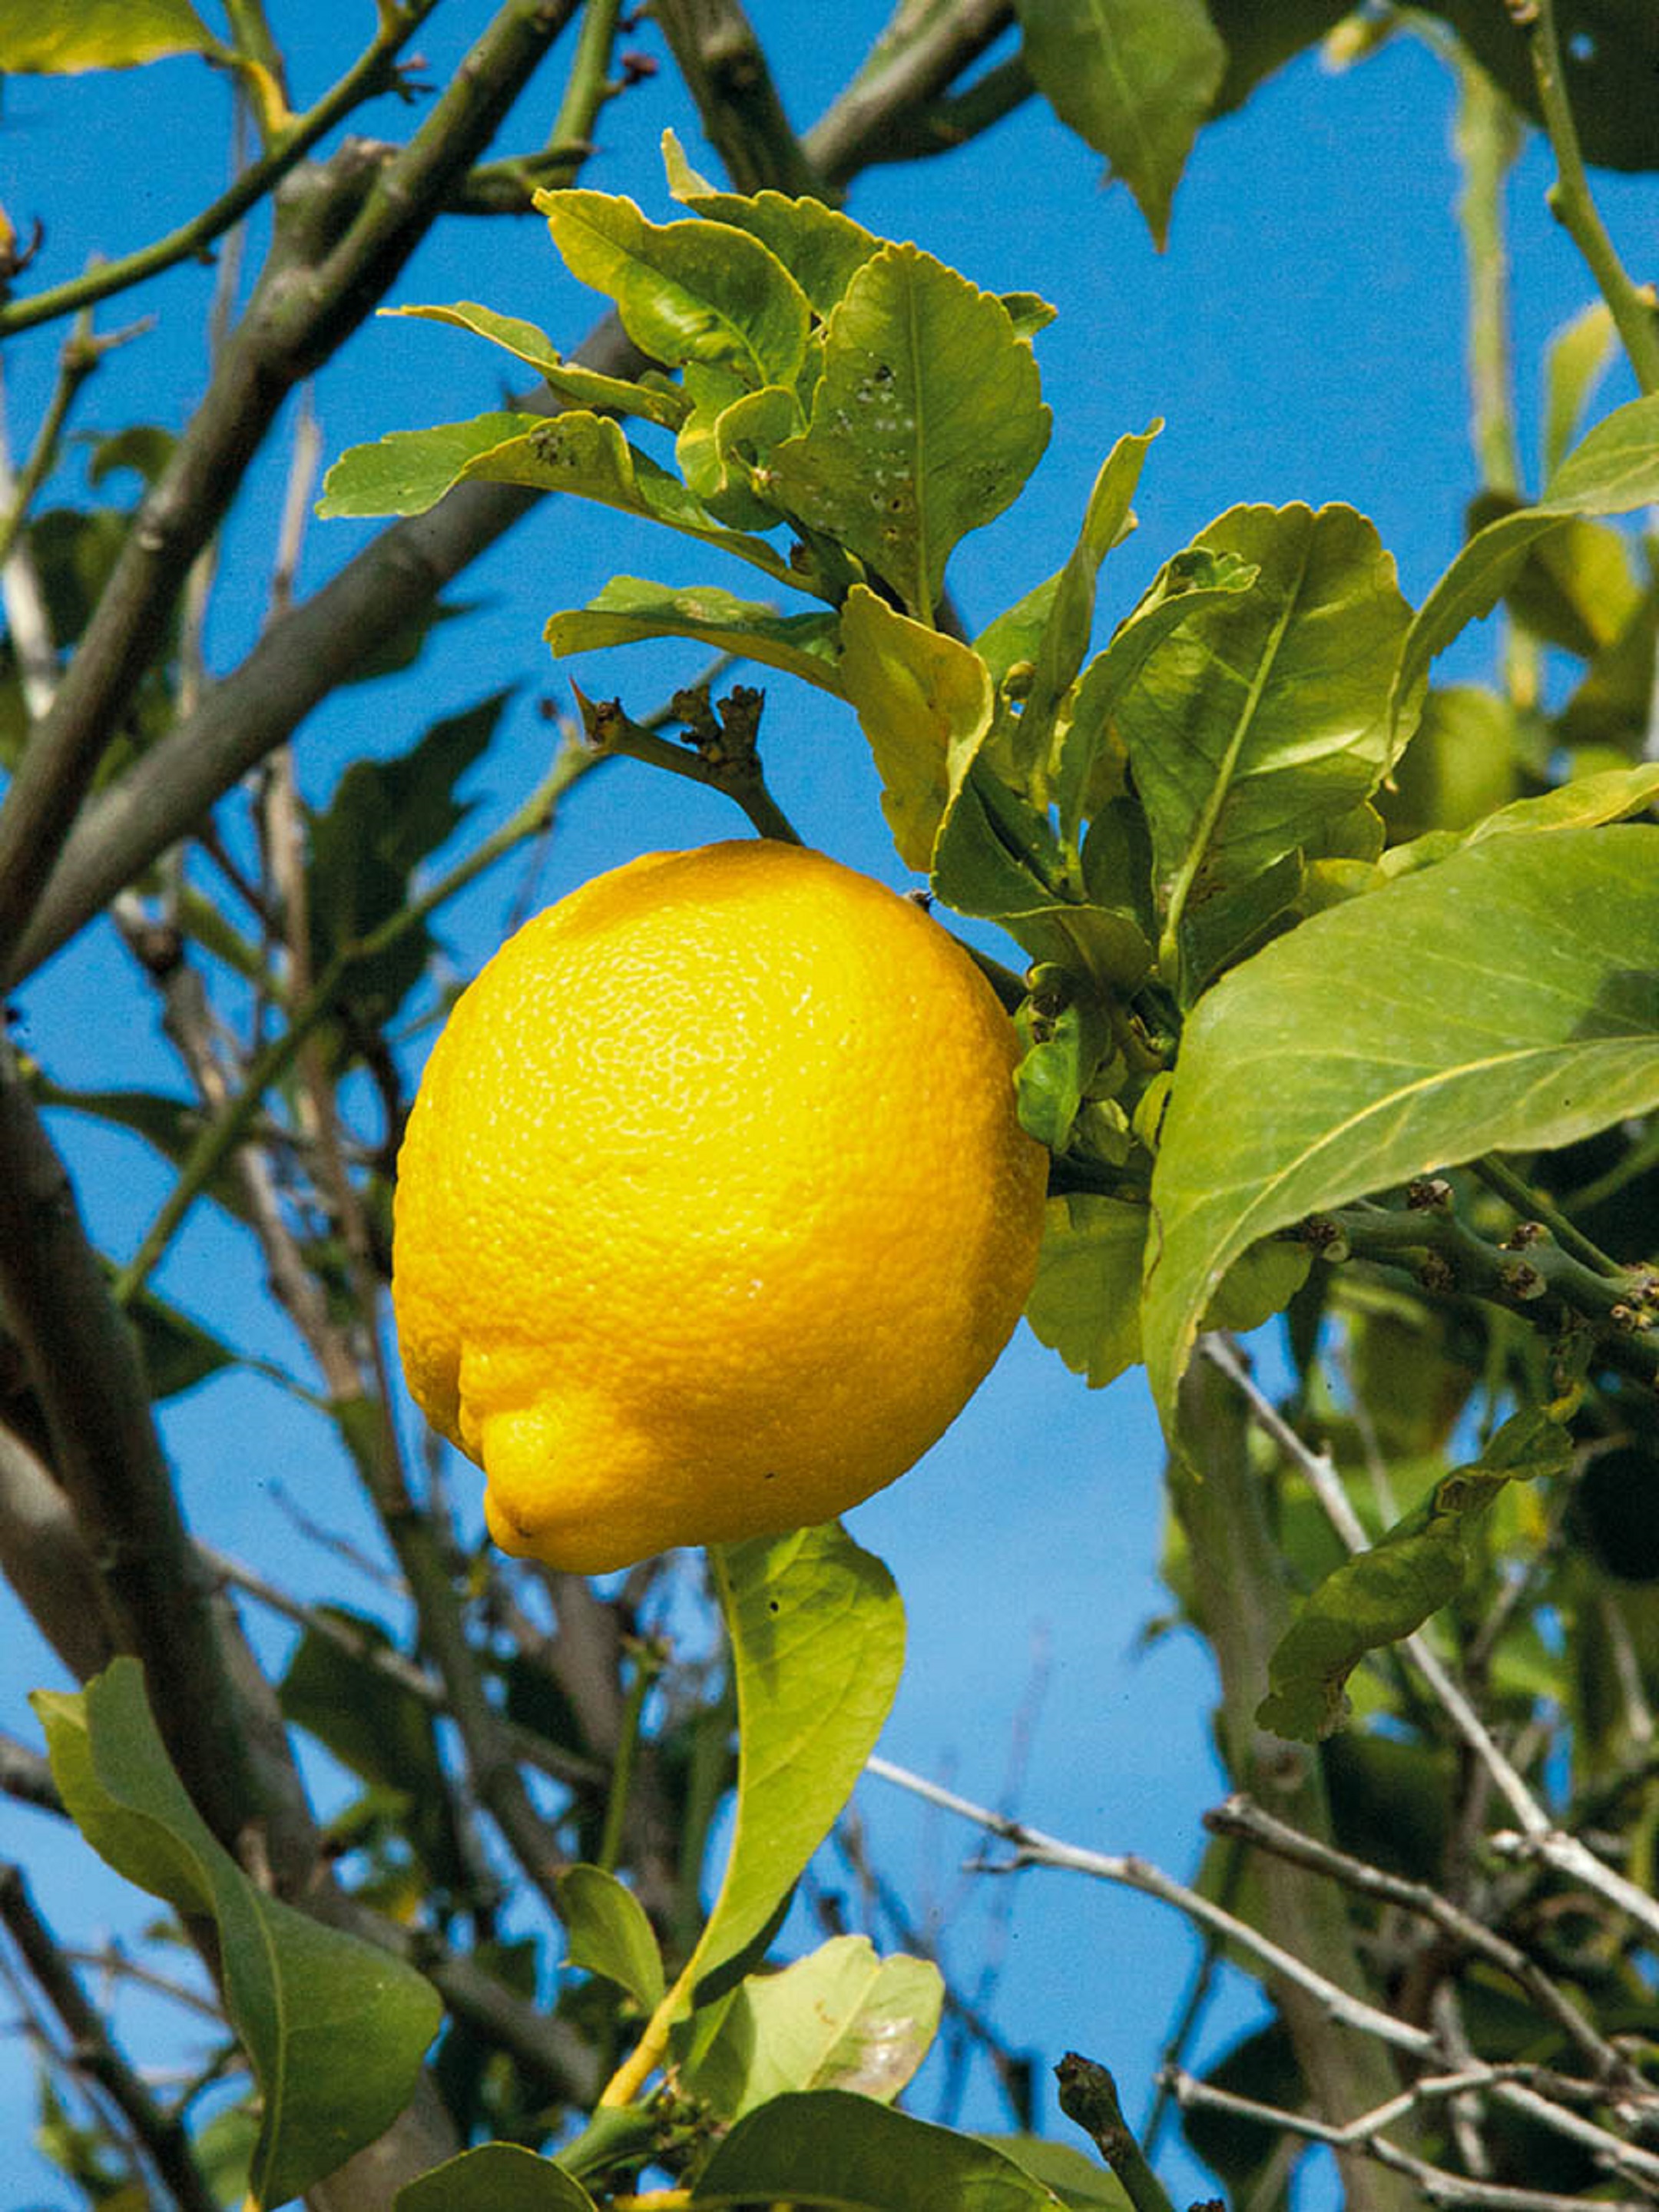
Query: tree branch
(320, 283)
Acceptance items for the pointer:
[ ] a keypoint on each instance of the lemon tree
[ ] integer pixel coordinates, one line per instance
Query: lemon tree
(1267, 973)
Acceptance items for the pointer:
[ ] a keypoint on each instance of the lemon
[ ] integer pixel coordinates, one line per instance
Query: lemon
(712, 1209)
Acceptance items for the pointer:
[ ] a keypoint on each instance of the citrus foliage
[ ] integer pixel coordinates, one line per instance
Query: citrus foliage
(1338, 1004)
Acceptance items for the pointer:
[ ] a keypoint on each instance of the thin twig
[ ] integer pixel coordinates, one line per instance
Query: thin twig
(162, 2135)
(1570, 201)
(1242, 1817)
(1539, 1838)
(1438, 2186)
(1031, 1847)
(368, 73)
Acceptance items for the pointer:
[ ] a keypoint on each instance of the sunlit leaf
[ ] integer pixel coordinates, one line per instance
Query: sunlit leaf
(826, 2146)
(1386, 1592)
(1256, 726)
(924, 702)
(334, 2028)
(410, 470)
(1583, 803)
(1578, 357)
(1134, 78)
(1613, 471)
(1063, 639)
(927, 421)
(631, 608)
(662, 402)
(839, 2019)
(65, 36)
(817, 1631)
(822, 248)
(1507, 999)
(685, 291)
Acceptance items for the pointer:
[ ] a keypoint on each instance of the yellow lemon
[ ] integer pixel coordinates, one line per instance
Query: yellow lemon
(713, 1209)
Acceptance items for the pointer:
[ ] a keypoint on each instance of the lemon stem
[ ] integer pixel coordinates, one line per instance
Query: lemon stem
(721, 758)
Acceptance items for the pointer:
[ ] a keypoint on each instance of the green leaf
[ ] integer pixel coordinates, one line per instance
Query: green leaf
(383, 819)
(1134, 79)
(840, 2019)
(924, 702)
(1064, 638)
(1505, 1000)
(1090, 754)
(334, 2028)
(825, 2147)
(62, 37)
(1080, 2182)
(377, 1729)
(1386, 1593)
(496, 2177)
(410, 470)
(1610, 50)
(610, 1933)
(1577, 358)
(927, 421)
(816, 1631)
(1070, 1041)
(631, 608)
(1613, 471)
(1085, 1303)
(1585, 803)
(823, 249)
(1257, 726)
(694, 291)
(728, 429)
(660, 403)
(177, 1351)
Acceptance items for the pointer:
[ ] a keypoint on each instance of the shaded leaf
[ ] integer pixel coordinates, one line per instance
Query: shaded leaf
(1256, 726)
(377, 1729)
(1133, 78)
(1507, 999)
(334, 2028)
(825, 2147)
(1610, 57)
(1386, 1592)
(839, 2019)
(631, 608)
(1085, 1303)
(610, 1933)
(177, 1351)
(662, 402)
(927, 421)
(693, 291)
(66, 36)
(1613, 471)
(494, 2177)
(383, 819)
(1079, 2182)
(924, 702)
(817, 1631)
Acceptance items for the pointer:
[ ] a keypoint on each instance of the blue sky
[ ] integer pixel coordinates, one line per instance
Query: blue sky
(1303, 339)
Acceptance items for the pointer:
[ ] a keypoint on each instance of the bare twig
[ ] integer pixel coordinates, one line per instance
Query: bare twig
(316, 288)
(1031, 1847)
(1239, 1816)
(1438, 2184)
(1538, 1839)
(160, 2135)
